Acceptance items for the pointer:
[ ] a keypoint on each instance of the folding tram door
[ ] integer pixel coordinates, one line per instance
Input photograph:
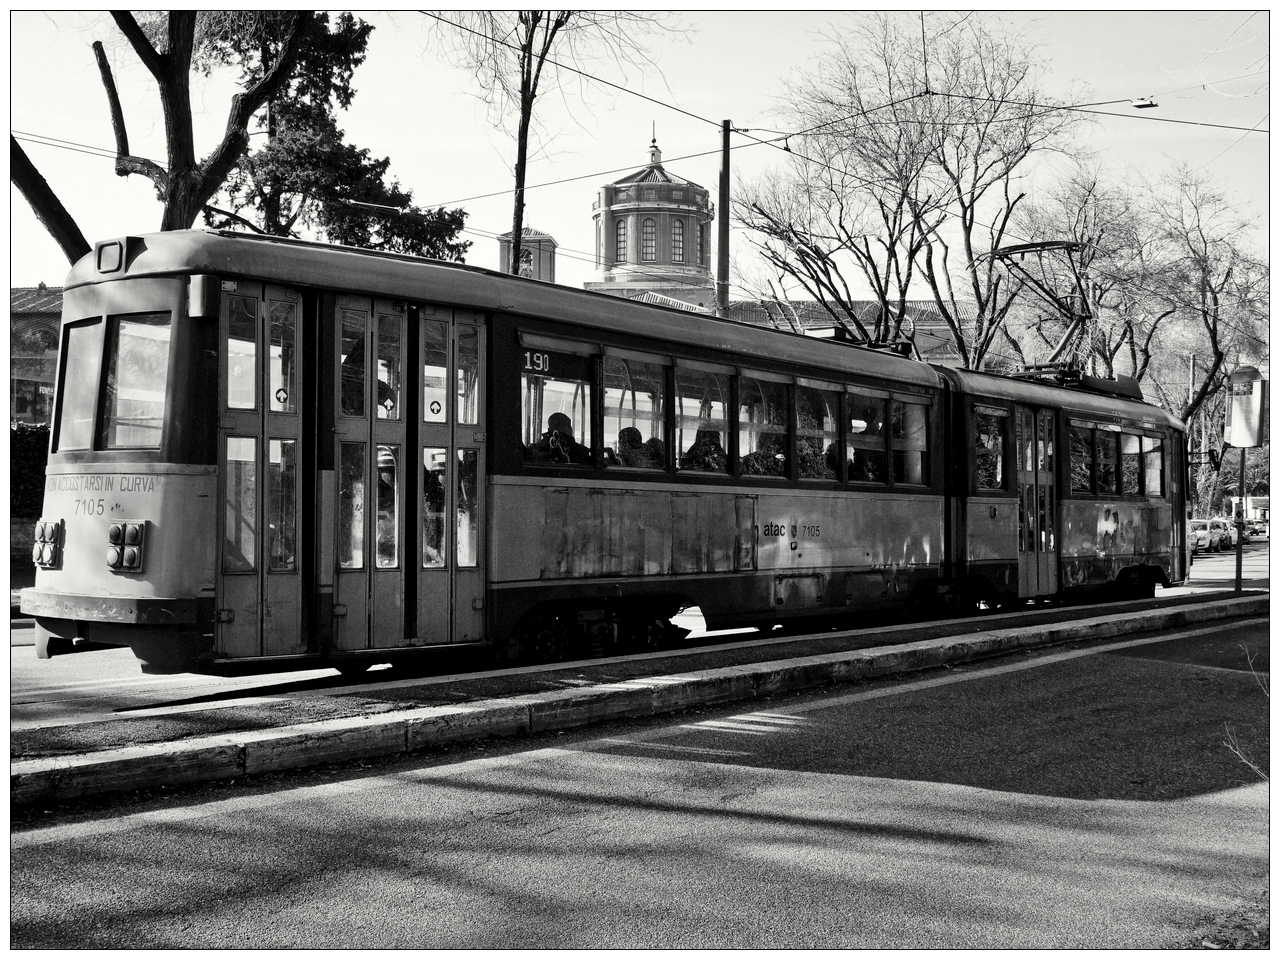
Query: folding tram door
(261, 560)
(1037, 502)
(409, 474)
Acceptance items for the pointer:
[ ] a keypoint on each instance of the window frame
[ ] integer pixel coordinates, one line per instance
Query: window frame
(649, 240)
(1006, 412)
(823, 387)
(664, 362)
(926, 405)
(1111, 435)
(620, 240)
(678, 421)
(93, 362)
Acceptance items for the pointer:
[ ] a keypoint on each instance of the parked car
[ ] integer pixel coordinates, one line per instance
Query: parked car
(1256, 528)
(1228, 539)
(1211, 535)
(1198, 535)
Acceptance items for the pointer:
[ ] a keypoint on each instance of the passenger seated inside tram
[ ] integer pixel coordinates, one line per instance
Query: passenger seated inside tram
(706, 453)
(769, 459)
(635, 451)
(557, 444)
(867, 466)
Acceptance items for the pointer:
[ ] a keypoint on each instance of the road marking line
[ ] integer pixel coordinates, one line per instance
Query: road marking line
(675, 746)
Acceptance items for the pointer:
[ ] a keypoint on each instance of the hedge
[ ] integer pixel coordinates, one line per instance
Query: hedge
(28, 454)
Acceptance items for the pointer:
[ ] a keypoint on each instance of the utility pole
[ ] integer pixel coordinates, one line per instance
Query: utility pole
(1191, 444)
(1237, 520)
(722, 232)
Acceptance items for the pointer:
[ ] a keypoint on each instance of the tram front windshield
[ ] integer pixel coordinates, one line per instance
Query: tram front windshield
(124, 360)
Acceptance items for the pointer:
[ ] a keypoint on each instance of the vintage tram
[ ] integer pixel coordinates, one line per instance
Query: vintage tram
(269, 454)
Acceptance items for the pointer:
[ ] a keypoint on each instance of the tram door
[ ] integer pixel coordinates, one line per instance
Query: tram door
(409, 476)
(450, 456)
(1037, 503)
(259, 581)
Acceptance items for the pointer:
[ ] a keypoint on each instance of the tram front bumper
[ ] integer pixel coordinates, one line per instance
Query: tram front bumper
(143, 611)
(165, 633)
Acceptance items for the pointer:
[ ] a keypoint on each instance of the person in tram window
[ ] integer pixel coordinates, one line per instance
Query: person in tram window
(635, 451)
(558, 445)
(706, 453)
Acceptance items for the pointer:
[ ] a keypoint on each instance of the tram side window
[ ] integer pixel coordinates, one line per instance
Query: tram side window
(990, 427)
(82, 350)
(555, 408)
(137, 375)
(867, 439)
(283, 319)
(702, 420)
(388, 368)
(387, 522)
(1130, 465)
(351, 480)
(282, 505)
(1106, 442)
(635, 412)
(467, 551)
(762, 427)
(910, 441)
(1153, 466)
(1081, 441)
(353, 362)
(240, 531)
(435, 371)
(435, 480)
(242, 352)
(468, 375)
(817, 433)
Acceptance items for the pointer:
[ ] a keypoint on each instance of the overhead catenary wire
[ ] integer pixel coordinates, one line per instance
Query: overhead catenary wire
(755, 141)
(570, 253)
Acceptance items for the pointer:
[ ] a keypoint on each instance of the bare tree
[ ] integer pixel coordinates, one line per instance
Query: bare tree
(1220, 288)
(1116, 271)
(914, 135)
(510, 53)
(816, 226)
(45, 204)
(185, 185)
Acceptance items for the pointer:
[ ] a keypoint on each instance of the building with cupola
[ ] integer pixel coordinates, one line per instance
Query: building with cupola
(653, 238)
(537, 254)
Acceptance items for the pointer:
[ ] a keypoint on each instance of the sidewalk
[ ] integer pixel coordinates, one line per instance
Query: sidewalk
(262, 734)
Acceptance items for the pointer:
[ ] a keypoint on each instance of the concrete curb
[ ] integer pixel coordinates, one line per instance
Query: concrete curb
(408, 731)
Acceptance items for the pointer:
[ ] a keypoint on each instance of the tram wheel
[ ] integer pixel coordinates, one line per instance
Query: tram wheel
(542, 641)
(353, 669)
(648, 635)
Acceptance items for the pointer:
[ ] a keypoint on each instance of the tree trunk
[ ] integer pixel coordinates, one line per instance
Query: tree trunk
(45, 204)
(517, 214)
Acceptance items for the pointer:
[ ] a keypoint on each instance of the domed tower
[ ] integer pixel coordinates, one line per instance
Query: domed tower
(653, 235)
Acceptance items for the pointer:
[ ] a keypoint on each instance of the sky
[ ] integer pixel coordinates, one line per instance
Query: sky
(1202, 67)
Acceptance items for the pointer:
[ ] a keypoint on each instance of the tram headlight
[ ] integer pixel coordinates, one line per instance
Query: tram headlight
(126, 542)
(47, 550)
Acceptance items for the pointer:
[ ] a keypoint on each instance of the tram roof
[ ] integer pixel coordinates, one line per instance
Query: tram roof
(349, 269)
(1087, 403)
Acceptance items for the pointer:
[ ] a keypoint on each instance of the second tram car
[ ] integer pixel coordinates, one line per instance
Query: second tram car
(269, 453)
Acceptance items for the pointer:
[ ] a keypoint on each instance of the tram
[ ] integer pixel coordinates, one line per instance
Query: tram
(270, 454)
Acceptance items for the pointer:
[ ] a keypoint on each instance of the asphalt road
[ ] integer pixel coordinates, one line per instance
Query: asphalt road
(1065, 799)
